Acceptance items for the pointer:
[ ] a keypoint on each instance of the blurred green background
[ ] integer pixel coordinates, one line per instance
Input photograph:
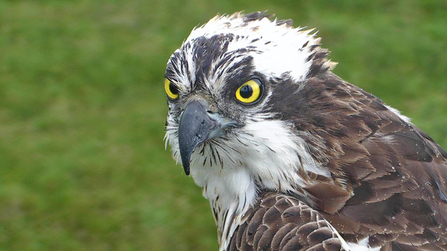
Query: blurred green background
(82, 109)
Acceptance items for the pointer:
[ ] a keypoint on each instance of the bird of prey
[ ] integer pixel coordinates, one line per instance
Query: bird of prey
(291, 156)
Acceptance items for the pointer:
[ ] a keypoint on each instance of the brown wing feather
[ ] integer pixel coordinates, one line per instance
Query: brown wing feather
(393, 173)
(283, 223)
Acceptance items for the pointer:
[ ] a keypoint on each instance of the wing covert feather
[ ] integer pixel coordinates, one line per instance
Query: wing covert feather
(283, 223)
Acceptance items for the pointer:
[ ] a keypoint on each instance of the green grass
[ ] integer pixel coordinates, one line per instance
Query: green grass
(82, 109)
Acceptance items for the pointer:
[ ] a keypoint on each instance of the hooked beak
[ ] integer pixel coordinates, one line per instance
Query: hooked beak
(196, 126)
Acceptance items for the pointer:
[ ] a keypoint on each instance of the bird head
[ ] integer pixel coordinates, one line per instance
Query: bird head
(233, 88)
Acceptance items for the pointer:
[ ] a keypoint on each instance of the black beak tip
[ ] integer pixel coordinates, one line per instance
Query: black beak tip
(186, 168)
(186, 158)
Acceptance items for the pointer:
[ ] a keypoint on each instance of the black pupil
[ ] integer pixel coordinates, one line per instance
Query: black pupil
(173, 89)
(246, 91)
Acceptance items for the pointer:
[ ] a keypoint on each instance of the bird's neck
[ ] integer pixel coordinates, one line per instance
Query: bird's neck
(230, 193)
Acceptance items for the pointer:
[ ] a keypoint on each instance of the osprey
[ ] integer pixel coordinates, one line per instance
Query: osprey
(291, 156)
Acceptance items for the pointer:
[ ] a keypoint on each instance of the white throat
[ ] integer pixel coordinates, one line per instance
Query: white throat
(230, 193)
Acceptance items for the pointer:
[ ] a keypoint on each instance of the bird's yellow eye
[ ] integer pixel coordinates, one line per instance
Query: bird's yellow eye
(249, 92)
(171, 90)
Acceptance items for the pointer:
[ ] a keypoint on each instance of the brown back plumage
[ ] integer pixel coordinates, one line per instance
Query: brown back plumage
(389, 177)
